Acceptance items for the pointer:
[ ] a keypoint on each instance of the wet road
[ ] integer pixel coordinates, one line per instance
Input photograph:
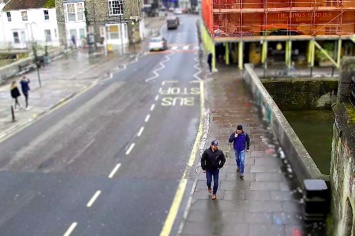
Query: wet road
(110, 161)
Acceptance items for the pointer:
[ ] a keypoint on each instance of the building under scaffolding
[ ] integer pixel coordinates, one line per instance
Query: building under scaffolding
(279, 31)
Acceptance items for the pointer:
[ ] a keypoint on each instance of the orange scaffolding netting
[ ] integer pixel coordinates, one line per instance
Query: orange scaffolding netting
(246, 18)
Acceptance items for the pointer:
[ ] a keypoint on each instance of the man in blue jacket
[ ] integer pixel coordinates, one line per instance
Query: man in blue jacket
(240, 141)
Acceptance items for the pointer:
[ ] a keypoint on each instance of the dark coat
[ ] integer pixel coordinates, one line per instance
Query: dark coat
(15, 92)
(25, 86)
(212, 160)
(209, 58)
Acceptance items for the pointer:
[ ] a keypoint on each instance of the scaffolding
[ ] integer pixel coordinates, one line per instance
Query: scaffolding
(266, 21)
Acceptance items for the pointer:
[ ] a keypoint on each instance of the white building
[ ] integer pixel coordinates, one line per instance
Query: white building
(185, 4)
(26, 21)
(75, 24)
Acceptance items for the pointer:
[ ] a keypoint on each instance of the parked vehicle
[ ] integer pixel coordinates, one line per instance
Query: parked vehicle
(172, 22)
(158, 43)
(177, 11)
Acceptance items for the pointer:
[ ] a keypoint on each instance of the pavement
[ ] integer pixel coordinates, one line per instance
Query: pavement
(269, 200)
(64, 78)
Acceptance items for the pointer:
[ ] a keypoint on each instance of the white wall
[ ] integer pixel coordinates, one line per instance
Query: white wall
(2, 32)
(32, 29)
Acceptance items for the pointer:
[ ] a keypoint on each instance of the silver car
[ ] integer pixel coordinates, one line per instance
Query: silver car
(158, 43)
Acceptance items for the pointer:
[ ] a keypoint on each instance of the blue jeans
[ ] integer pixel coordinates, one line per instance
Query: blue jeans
(215, 174)
(240, 160)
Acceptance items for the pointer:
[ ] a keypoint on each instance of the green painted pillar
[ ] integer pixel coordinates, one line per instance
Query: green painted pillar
(213, 50)
(264, 52)
(312, 52)
(288, 53)
(339, 52)
(240, 55)
(227, 53)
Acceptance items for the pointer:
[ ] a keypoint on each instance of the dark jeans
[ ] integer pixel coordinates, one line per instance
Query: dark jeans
(26, 98)
(210, 66)
(215, 174)
(16, 102)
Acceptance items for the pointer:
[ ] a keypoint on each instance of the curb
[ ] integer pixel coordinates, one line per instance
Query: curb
(25, 123)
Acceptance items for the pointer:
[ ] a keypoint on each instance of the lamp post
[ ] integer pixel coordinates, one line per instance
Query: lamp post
(34, 50)
(121, 35)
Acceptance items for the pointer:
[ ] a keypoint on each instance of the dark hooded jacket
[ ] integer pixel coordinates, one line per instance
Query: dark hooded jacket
(212, 160)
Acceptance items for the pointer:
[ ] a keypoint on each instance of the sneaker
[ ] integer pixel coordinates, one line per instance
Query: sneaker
(214, 196)
(242, 176)
(27, 108)
(238, 169)
(209, 190)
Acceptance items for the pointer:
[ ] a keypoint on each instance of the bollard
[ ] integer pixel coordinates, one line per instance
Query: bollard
(13, 114)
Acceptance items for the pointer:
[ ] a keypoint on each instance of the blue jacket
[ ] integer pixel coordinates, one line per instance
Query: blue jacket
(24, 86)
(240, 141)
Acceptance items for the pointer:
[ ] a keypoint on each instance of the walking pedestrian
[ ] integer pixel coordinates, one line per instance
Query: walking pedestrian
(15, 93)
(25, 89)
(241, 141)
(73, 39)
(211, 161)
(209, 60)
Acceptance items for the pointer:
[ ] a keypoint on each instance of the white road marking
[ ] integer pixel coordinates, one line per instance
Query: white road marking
(152, 107)
(130, 149)
(197, 67)
(185, 47)
(174, 48)
(160, 89)
(157, 97)
(162, 66)
(71, 228)
(140, 131)
(93, 199)
(113, 172)
(147, 118)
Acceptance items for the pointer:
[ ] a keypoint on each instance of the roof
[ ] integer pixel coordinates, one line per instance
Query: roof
(28, 4)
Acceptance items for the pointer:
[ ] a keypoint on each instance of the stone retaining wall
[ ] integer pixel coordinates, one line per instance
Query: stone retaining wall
(13, 69)
(302, 94)
(301, 162)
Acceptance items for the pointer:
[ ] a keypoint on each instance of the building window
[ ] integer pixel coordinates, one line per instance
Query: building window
(46, 14)
(16, 37)
(80, 11)
(47, 35)
(331, 30)
(8, 16)
(82, 33)
(114, 32)
(115, 7)
(24, 15)
(71, 12)
(74, 11)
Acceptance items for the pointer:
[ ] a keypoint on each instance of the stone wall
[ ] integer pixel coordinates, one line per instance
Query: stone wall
(302, 94)
(301, 162)
(61, 22)
(98, 14)
(342, 172)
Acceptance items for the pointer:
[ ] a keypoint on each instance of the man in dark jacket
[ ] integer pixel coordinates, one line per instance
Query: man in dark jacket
(209, 60)
(240, 141)
(25, 87)
(211, 161)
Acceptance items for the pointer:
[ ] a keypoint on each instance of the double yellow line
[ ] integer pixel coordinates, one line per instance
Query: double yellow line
(169, 222)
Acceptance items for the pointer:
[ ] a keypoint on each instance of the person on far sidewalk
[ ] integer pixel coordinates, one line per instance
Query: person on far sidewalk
(240, 141)
(209, 61)
(25, 89)
(211, 161)
(15, 93)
